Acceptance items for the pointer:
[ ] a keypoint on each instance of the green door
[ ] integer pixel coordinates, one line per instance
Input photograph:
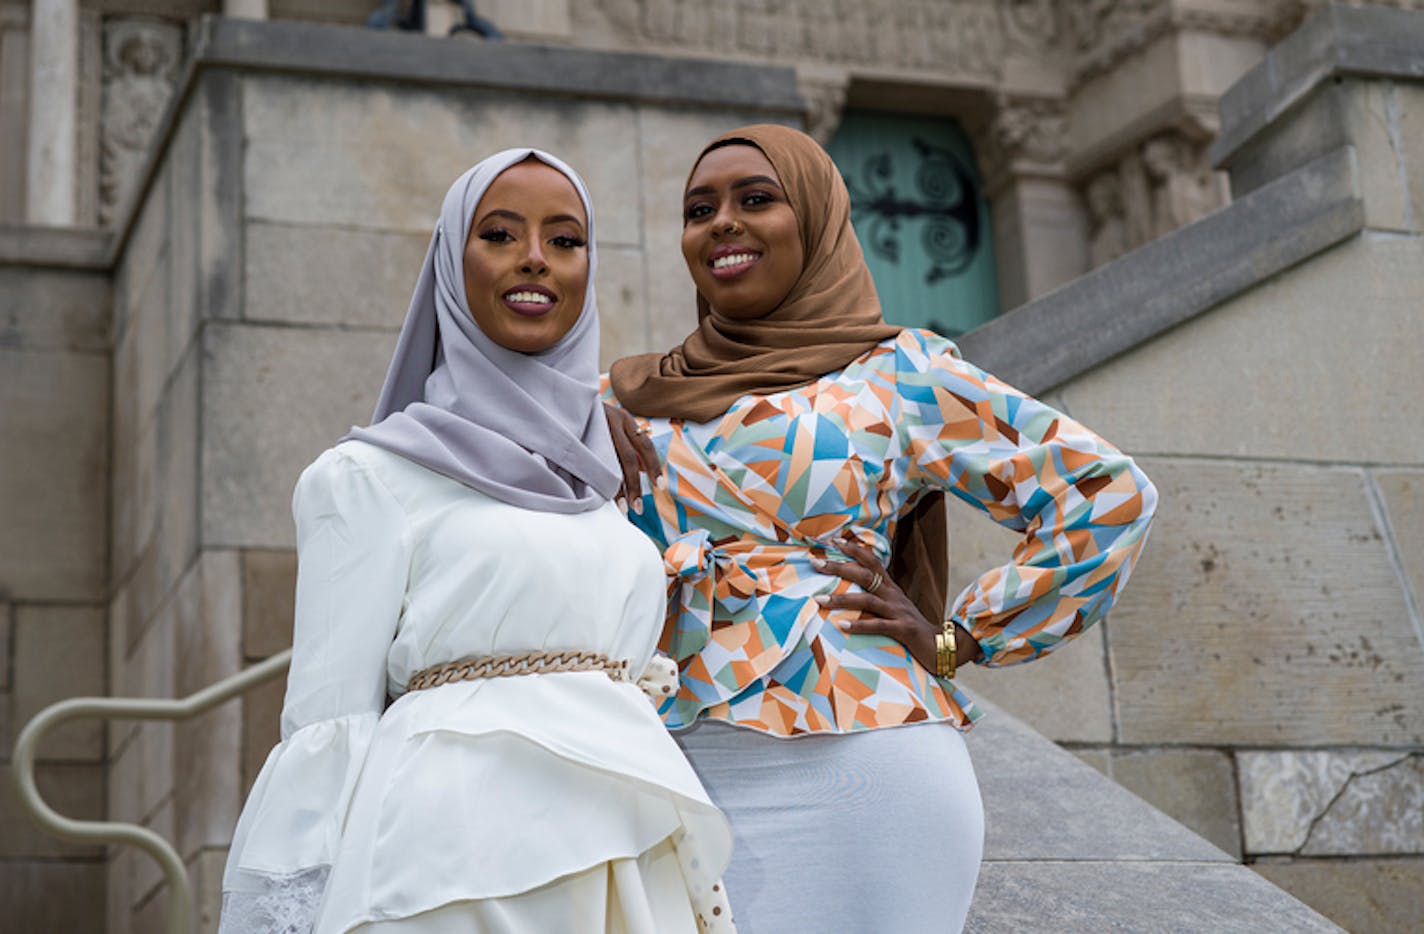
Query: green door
(919, 211)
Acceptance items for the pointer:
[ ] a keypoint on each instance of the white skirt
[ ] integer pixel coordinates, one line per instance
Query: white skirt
(875, 831)
(624, 896)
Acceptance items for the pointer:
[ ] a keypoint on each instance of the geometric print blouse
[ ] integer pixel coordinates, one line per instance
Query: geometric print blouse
(751, 496)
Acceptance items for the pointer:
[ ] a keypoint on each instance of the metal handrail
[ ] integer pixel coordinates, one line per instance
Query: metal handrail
(180, 898)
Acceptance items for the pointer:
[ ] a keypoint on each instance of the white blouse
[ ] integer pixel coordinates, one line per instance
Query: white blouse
(472, 790)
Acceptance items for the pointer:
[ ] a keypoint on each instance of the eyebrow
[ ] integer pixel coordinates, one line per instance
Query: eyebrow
(520, 218)
(739, 183)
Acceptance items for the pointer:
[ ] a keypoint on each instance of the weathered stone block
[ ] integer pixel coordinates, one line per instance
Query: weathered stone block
(1364, 896)
(206, 871)
(143, 769)
(207, 792)
(145, 873)
(52, 895)
(1077, 813)
(322, 152)
(49, 309)
(118, 731)
(208, 619)
(155, 494)
(1403, 495)
(622, 308)
(177, 435)
(261, 727)
(207, 750)
(219, 199)
(1265, 610)
(5, 612)
(1136, 896)
(330, 275)
(255, 441)
(1064, 695)
(1041, 236)
(52, 492)
(59, 653)
(73, 790)
(1194, 786)
(1320, 802)
(1166, 396)
(144, 256)
(1099, 757)
(269, 587)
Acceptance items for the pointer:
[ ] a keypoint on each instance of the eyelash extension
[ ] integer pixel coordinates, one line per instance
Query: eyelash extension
(574, 242)
(495, 234)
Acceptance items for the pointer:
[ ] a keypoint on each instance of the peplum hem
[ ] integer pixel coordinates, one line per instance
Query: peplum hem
(493, 789)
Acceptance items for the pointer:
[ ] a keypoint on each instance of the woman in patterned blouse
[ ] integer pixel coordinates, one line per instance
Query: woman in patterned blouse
(795, 429)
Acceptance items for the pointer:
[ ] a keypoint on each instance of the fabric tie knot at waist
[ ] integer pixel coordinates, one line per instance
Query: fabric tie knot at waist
(707, 572)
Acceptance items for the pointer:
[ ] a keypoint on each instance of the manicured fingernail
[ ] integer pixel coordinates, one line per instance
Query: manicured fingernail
(660, 483)
(621, 503)
(822, 599)
(638, 505)
(818, 563)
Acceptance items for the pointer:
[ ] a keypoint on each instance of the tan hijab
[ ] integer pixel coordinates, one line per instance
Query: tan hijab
(830, 317)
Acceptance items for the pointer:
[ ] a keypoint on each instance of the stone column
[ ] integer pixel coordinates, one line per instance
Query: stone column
(245, 9)
(54, 108)
(1040, 229)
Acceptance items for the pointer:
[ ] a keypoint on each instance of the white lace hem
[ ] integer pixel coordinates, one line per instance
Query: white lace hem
(274, 904)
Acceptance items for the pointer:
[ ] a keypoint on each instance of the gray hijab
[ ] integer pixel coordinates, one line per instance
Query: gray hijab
(527, 429)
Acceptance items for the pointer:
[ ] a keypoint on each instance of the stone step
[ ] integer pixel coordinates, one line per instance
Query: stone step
(1067, 849)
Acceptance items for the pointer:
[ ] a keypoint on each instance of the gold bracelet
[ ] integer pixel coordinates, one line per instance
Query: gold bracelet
(945, 650)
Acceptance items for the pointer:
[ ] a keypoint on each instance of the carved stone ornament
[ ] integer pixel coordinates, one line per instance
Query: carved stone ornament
(825, 94)
(141, 58)
(1020, 129)
(1107, 216)
(1181, 185)
(1105, 31)
(954, 37)
(1030, 26)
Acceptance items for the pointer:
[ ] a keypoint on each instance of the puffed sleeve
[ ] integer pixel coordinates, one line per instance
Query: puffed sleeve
(352, 565)
(1082, 505)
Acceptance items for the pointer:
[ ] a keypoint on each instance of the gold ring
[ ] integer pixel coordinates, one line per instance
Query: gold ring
(640, 430)
(875, 583)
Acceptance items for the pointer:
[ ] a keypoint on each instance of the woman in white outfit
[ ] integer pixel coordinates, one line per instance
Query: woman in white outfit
(461, 556)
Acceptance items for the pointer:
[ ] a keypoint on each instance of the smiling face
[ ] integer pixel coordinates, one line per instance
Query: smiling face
(739, 236)
(526, 258)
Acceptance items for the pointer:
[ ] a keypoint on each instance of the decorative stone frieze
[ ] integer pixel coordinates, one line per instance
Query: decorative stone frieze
(965, 38)
(1104, 32)
(141, 58)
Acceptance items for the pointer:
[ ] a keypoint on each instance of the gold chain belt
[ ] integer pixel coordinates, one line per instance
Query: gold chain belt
(524, 663)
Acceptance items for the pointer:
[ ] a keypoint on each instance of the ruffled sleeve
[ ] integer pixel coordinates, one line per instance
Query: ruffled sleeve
(1082, 506)
(353, 557)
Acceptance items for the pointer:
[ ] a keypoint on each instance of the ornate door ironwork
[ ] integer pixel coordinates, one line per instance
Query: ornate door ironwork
(918, 210)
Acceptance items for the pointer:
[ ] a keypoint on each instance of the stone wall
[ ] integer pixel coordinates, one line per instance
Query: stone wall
(1263, 679)
(54, 422)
